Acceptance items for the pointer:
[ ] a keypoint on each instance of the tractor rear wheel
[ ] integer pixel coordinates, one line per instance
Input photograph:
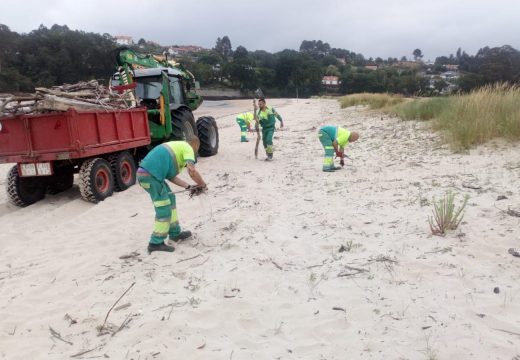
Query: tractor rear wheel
(208, 136)
(183, 125)
(24, 191)
(123, 170)
(96, 182)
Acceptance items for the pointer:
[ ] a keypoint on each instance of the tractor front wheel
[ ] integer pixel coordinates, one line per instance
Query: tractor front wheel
(183, 125)
(96, 182)
(208, 136)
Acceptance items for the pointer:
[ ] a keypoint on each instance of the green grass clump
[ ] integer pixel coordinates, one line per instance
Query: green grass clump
(487, 113)
(466, 119)
(374, 101)
(420, 109)
(445, 215)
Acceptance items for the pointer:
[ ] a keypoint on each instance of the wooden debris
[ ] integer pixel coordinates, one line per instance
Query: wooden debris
(82, 353)
(514, 252)
(132, 255)
(190, 258)
(83, 96)
(277, 266)
(513, 213)
(354, 271)
(471, 186)
(57, 335)
(70, 319)
(122, 307)
(507, 331)
(108, 313)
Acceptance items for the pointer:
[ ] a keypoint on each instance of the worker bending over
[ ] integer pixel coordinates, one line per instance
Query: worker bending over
(244, 120)
(334, 139)
(166, 162)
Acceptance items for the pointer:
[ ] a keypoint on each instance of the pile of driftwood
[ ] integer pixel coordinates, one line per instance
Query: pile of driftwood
(82, 96)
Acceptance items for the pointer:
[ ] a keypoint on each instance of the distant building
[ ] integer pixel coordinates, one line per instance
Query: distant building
(450, 67)
(331, 82)
(181, 50)
(406, 64)
(124, 40)
(371, 67)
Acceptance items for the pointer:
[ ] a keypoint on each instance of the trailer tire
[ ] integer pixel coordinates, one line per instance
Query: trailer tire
(183, 125)
(208, 136)
(62, 180)
(123, 170)
(23, 191)
(96, 182)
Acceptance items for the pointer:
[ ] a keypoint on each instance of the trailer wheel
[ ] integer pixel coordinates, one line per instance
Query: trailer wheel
(23, 191)
(208, 136)
(96, 182)
(61, 181)
(183, 125)
(123, 170)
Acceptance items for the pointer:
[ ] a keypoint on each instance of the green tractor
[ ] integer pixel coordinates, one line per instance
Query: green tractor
(168, 92)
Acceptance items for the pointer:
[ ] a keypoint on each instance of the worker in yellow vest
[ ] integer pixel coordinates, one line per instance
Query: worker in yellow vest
(335, 139)
(166, 162)
(266, 117)
(244, 120)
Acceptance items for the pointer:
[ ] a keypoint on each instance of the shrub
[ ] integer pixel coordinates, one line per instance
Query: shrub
(374, 101)
(445, 216)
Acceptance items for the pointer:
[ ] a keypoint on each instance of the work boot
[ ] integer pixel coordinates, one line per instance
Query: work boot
(160, 247)
(182, 236)
(269, 157)
(331, 168)
(244, 140)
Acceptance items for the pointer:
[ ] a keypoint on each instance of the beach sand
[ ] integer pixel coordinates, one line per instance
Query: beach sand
(286, 262)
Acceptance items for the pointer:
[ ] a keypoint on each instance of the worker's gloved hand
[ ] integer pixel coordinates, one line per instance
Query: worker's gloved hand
(196, 190)
(339, 154)
(342, 162)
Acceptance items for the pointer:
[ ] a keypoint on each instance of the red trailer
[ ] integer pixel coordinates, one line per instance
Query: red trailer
(103, 147)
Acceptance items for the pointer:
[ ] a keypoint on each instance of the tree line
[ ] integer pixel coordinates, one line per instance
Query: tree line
(57, 55)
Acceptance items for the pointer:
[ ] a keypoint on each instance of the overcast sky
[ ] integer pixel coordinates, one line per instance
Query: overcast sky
(374, 28)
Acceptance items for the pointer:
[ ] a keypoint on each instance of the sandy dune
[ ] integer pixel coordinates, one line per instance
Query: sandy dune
(287, 262)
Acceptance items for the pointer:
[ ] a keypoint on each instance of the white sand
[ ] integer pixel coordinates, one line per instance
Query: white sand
(263, 279)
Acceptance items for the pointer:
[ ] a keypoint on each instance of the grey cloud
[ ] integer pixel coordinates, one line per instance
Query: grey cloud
(374, 28)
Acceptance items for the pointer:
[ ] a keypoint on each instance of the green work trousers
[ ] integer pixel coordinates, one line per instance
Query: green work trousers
(267, 139)
(166, 220)
(243, 129)
(326, 141)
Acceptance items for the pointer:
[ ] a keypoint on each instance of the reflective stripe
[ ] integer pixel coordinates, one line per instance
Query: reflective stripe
(161, 227)
(269, 149)
(328, 161)
(174, 158)
(329, 147)
(160, 235)
(161, 203)
(174, 218)
(144, 185)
